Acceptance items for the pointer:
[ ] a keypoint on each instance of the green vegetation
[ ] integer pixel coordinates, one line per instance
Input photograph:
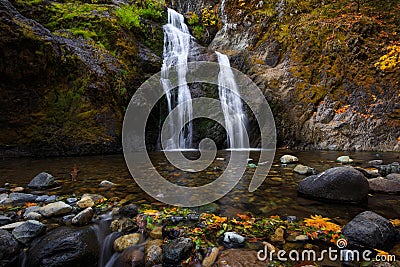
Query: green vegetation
(131, 15)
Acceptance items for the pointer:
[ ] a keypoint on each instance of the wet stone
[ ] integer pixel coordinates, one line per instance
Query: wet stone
(5, 220)
(233, 240)
(27, 231)
(126, 241)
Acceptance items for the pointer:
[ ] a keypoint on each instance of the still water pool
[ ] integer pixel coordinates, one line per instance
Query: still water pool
(276, 196)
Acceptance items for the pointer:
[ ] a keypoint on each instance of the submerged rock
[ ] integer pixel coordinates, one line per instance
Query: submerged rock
(383, 185)
(384, 170)
(375, 162)
(288, 159)
(343, 184)
(9, 249)
(394, 177)
(368, 173)
(370, 230)
(106, 183)
(43, 180)
(27, 231)
(65, 246)
(177, 250)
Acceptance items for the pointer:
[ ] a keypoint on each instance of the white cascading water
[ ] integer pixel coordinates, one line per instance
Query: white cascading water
(176, 50)
(235, 118)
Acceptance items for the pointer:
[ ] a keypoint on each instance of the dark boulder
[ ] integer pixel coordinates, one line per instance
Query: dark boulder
(9, 249)
(370, 230)
(344, 184)
(67, 247)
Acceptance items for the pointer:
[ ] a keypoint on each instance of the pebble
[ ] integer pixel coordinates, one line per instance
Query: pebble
(210, 258)
(291, 219)
(71, 200)
(277, 237)
(233, 240)
(55, 209)
(106, 183)
(375, 162)
(11, 226)
(51, 199)
(156, 233)
(42, 198)
(18, 189)
(301, 169)
(301, 238)
(84, 217)
(344, 159)
(153, 252)
(126, 241)
(33, 216)
(85, 202)
(288, 159)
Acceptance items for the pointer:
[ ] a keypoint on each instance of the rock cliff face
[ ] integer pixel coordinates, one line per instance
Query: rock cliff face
(67, 72)
(68, 69)
(318, 65)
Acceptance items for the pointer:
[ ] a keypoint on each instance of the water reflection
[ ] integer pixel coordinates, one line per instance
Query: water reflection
(277, 194)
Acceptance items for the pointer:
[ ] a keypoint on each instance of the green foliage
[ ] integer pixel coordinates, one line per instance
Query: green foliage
(130, 15)
(193, 18)
(198, 31)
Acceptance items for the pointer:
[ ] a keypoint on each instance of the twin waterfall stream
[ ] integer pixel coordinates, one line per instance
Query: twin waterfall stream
(177, 44)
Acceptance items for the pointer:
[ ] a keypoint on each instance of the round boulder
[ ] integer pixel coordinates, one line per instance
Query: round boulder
(371, 230)
(344, 184)
(65, 246)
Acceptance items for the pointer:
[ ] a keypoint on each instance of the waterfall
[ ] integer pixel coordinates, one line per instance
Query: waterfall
(232, 107)
(176, 50)
(177, 43)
